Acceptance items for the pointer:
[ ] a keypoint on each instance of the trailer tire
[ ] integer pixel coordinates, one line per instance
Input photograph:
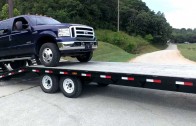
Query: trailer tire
(49, 55)
(85, 57)
(49, 83)
(71, 87)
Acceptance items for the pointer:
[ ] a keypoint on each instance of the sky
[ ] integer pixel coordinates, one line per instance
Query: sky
(179, 13)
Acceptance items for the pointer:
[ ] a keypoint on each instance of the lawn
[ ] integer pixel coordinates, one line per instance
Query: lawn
(188, 51)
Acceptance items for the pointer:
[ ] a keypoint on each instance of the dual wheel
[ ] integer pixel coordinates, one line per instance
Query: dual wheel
(70, 86)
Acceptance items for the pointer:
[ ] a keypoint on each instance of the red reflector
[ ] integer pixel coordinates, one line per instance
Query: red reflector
(64, 73)
(48, 71)
(130, 78)
(188, 83)
(37, 71)
(108, 77)
(157, 81)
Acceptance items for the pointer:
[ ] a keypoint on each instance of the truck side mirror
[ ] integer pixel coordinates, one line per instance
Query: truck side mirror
(18, 26)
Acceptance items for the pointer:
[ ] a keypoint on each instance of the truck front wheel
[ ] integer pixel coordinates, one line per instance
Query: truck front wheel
(49, 55)
(85, 57)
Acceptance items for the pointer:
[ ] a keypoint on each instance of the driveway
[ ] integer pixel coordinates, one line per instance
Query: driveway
(170, 56)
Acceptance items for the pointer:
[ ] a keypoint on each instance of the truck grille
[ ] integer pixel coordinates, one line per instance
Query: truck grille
(82, 32)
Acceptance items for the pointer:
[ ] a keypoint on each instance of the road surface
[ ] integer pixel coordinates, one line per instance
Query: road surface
(170, 56)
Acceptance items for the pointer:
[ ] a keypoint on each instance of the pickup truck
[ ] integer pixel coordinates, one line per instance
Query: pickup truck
(44, 39)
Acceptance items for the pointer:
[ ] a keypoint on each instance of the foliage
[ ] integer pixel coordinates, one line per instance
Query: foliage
(184, 35)
(4, 12)
(128, 43)
(135, 17)
(111, 53)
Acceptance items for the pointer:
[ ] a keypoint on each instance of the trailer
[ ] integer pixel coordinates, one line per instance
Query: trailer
(70, 77)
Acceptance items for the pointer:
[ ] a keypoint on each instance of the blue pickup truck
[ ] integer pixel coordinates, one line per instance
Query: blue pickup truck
(44, 39)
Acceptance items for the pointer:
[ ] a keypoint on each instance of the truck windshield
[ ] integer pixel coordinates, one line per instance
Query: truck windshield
(39, 20)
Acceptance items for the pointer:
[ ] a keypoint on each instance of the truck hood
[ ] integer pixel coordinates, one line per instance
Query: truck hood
(55, 26)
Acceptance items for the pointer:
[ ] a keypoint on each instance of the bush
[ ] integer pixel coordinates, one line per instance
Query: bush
(128, 43)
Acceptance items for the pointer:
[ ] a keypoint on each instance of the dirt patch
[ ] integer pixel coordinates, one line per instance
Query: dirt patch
(170, 56)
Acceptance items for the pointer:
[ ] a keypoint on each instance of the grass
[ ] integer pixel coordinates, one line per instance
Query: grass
(188, 51)
(111, 53)
(131, 44)
(120, 47)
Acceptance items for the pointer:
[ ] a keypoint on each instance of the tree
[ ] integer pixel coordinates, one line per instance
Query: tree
(4, 12)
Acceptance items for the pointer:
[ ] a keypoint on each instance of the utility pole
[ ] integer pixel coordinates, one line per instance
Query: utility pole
(118, 17)
(11, 6)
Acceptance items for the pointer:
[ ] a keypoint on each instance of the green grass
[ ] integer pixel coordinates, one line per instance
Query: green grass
(131, 44)
(120, 47)
(111, 53)
(188, 51)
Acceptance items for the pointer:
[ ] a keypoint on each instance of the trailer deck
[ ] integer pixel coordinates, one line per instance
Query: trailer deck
(164, 77)
(181, 71)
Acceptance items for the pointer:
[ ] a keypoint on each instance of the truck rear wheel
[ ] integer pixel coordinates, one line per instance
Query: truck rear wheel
(70, 86)
(49, 55)
(49, 83)
(85, 57)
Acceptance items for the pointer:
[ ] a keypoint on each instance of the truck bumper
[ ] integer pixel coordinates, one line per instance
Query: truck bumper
(77, 45)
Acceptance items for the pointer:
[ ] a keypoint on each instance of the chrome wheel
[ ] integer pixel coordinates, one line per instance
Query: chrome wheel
(47, 82)
(68, 85)
(47, 55)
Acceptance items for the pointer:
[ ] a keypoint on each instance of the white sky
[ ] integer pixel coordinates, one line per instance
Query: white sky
(179, 13)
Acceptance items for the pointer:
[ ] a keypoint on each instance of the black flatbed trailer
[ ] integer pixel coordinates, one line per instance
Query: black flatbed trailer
(71, 76)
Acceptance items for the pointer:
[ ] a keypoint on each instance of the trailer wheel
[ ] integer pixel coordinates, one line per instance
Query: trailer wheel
(71, 86)
(49, 83)
(102, 84)
(85, 57)
(49, 55)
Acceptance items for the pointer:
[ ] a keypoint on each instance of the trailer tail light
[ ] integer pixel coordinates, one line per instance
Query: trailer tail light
(86, 75)
(184, 83)
(128, 78)
(64, 73)
(153, 81)
(105, 76)
(48, 71)
(36, 71)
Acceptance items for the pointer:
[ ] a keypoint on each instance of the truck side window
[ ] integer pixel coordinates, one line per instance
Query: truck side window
(24, 23)
(4, 28)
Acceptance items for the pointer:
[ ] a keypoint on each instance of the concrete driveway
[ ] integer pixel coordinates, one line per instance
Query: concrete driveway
(22, 103)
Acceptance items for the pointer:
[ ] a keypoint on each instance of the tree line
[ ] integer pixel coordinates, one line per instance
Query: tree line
(184, 35)
(136, 18)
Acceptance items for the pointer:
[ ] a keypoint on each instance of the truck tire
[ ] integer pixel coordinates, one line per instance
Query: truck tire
(71, 87)
(49, 83)
(18, 64)
(49, 55)
(85, 57)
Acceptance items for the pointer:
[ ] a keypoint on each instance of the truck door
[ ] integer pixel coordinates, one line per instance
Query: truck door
(21, 40)
(4, 38)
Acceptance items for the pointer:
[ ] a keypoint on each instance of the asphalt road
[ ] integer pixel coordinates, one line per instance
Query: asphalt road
(22, 103)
